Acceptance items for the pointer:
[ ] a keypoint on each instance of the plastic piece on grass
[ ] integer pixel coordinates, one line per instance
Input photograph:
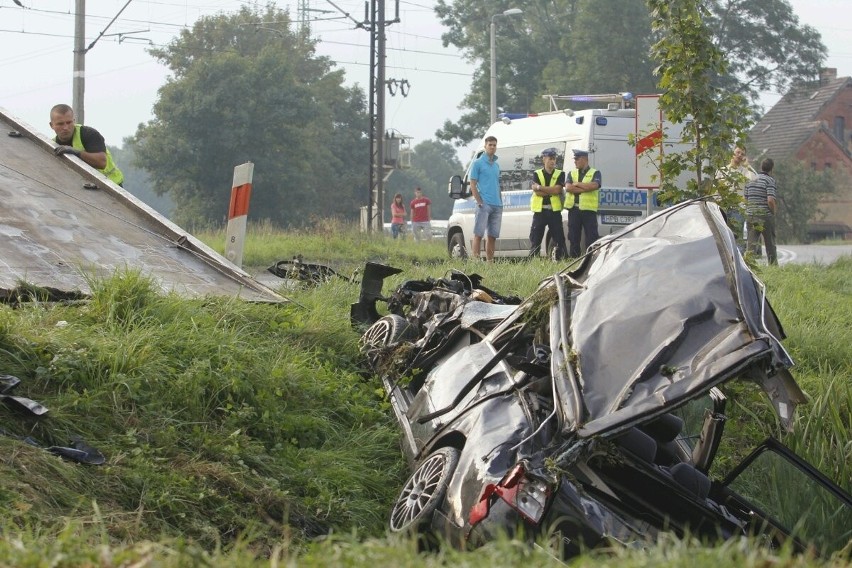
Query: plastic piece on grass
(8, 382)
(80, 452)
(26, 403)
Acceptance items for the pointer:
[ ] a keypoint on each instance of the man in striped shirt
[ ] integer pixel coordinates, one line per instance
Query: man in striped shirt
(760, 211)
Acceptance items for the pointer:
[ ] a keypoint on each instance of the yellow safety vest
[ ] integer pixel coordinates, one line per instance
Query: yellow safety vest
(537, 201)
(588, 199)
(111, 170)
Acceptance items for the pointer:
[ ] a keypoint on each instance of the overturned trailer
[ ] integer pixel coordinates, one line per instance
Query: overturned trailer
(594, 410)
(63, 223)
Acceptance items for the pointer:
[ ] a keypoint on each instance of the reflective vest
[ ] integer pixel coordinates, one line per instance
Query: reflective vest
(537, 201)
(588, 199)
(111, 170)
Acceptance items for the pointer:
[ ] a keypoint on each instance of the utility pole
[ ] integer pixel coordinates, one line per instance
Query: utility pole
(303, 14)
(375, 199)
(377, 113)
(80, 51)
(79, 83)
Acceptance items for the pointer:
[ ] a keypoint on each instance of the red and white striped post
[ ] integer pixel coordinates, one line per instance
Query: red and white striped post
(238, 212)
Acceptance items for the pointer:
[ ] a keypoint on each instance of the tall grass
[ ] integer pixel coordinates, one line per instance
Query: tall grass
(333, 242)
(249, 434)
(216, 415)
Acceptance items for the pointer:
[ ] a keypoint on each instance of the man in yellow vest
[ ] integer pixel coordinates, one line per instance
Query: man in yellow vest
(583, 185)
(546, 205)
(82, 141)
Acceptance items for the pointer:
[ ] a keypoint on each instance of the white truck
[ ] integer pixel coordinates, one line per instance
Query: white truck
(602, 132)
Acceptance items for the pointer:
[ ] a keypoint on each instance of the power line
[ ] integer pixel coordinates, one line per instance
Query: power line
(400, 68)
(346, 14)
(393, 48)
(62, 83)
(322, 41)
(150, 22)
(429, 8)
(33, 55)
(42, 34)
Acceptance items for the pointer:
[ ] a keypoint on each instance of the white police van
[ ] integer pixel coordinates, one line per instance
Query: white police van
(520, 139)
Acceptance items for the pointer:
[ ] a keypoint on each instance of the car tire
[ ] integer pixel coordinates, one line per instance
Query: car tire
(387, 332)
(423, 492)
(456, 246)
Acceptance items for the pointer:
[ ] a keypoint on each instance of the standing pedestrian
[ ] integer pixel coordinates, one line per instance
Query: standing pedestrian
(421, 216)
(397, 216)
(760, 195)
(739, 165)
(485, 186)
(546, 203)
(82, 141)
(738, 172)
(583, 185)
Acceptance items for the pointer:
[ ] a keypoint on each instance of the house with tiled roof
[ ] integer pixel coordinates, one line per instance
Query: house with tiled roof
(813, 124)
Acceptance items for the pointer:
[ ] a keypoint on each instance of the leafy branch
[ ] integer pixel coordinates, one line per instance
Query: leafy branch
(689, 70)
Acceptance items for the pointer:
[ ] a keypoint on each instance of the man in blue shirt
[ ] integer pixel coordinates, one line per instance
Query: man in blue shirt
(485, 186)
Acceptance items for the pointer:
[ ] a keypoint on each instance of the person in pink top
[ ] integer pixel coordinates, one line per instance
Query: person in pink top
(397, 216)
(421, 216)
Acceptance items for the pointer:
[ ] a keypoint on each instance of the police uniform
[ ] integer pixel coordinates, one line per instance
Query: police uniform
(583, 207)
(547, 211)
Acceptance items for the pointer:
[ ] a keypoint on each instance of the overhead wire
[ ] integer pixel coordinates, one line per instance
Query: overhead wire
(156, 25)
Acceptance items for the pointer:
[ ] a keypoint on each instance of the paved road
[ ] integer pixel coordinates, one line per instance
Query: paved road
(806, 254)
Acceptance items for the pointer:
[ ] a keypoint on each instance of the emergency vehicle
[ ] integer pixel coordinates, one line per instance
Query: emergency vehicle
(604, 133)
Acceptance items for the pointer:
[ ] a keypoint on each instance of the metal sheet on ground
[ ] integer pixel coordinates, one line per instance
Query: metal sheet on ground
(55, 233)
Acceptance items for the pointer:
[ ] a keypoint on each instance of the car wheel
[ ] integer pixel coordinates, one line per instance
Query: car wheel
(456, 246)
(386, 332)
(424, 491)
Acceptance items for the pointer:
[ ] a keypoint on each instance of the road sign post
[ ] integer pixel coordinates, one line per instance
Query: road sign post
(238, 212)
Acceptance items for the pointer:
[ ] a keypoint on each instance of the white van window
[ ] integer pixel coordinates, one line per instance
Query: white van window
(532, 155)
(512, 167)
(521, 161)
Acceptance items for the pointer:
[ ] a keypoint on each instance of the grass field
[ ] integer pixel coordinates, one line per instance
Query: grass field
(248, 434)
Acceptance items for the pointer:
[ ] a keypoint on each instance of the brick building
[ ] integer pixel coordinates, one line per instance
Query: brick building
(813, 124)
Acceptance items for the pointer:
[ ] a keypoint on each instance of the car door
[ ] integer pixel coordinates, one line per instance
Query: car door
(785, 497)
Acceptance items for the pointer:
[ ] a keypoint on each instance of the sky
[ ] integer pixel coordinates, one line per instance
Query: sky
(121, 80)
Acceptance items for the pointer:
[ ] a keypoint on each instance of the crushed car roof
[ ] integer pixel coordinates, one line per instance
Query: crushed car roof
(660, 312)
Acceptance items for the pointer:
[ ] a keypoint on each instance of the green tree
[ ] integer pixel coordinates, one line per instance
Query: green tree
(715, 119)
(245, 87)
(432, 165)
(138, 182)
(526, 46)
(609, 48)
(581, 46)
(766, 46)
(799, 192)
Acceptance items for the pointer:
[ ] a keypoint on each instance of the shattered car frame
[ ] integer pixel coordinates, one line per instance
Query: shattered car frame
(593, 409)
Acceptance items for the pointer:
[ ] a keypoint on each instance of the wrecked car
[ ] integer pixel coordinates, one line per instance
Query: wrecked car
(593, 410)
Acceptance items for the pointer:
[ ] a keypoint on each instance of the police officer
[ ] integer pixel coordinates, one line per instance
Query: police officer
(583, 186)
(546, 205)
